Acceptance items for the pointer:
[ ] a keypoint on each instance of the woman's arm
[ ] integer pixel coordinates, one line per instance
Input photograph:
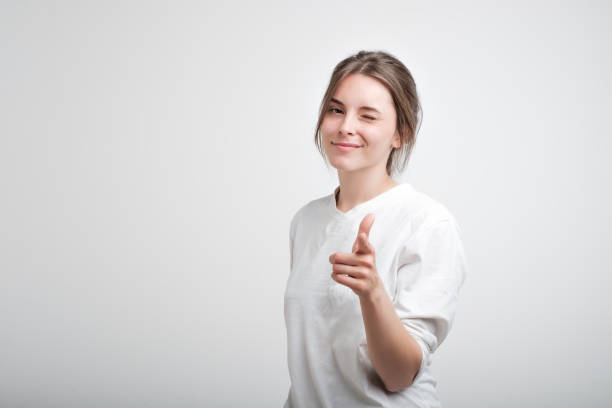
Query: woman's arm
(395, 354)
(435, 257)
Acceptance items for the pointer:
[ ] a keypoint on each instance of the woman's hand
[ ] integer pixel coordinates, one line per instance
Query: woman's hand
(357, 269)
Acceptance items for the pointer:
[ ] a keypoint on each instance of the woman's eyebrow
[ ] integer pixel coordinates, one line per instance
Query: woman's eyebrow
(362, 107)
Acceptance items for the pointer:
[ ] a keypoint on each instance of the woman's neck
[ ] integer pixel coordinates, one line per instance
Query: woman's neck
(352, 194)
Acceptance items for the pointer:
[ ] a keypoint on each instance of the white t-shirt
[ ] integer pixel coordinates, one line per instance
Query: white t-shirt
(420, 259)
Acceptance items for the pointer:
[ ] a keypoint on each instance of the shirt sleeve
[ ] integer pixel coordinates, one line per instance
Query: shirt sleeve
(431, 270)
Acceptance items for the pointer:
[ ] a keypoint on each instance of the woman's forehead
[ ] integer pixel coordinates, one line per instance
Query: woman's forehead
(362, 91)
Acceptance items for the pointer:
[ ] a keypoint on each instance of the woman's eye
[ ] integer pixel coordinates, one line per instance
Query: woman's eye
(336, 110)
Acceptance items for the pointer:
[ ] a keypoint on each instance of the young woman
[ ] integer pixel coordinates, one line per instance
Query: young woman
(376, 267)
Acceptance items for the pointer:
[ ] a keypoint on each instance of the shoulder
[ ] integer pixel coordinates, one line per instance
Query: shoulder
(422, 206)
(431, 231)
(310, 211)
(422, 211)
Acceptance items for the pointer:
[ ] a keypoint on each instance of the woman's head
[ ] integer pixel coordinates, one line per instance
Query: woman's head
(369, 79)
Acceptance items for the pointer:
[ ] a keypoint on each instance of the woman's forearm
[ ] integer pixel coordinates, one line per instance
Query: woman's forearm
(395, 355)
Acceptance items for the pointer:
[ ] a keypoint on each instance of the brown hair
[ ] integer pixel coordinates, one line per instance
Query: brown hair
(394, 75)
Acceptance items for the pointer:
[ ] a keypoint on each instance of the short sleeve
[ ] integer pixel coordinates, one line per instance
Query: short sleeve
(431, 270)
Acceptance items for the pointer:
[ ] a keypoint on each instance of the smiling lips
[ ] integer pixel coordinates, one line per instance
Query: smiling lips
(346, 147)
(346, 144)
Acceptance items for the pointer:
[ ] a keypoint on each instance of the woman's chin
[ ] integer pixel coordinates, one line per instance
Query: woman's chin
(343, 165)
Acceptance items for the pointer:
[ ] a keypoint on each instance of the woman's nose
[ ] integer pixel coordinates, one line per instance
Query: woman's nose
(347, 126)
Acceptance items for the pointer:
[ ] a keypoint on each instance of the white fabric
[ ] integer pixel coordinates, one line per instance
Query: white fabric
(421, 261)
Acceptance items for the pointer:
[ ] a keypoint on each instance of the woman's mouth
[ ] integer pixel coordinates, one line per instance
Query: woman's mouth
(345, 147)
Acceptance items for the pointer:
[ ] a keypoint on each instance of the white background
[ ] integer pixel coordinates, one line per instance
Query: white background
(152, 155)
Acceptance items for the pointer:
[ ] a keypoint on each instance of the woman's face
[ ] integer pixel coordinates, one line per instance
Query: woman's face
(361, 113)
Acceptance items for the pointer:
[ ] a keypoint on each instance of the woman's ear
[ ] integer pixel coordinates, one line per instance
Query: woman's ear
(397, 142)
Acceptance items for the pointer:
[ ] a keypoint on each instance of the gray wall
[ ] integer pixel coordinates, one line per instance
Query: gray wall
(152, 155)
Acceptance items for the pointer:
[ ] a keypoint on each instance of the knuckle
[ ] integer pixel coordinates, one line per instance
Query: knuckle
(368, 262)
